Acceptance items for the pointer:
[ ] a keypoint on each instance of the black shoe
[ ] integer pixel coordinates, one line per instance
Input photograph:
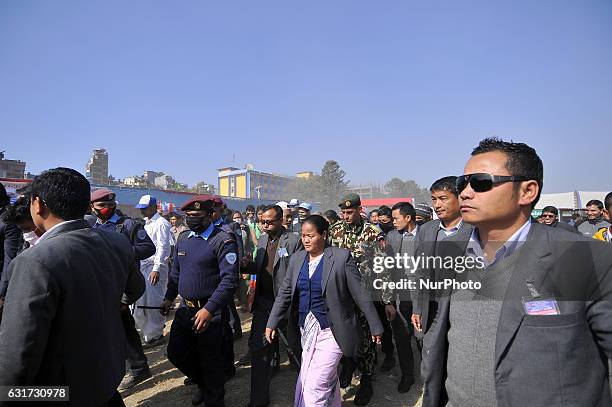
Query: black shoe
(405, 383)
(245, 360)
(365, 391)
(130, 381)
(346, 373)
(198, 396)
(387, 364)
(188, 381)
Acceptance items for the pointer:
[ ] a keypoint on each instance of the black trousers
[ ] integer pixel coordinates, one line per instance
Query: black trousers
(262, 354)
(199, 356)
(403, 332)
(387, 338)
(136, 362)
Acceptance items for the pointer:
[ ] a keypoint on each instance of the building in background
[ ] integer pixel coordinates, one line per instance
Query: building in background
(14, 169)
(246, 183)
(96, 170)
(305, 174)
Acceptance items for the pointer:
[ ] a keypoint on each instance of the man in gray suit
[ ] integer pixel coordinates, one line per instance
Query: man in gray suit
(401, 241)
(274, 250)
(445, 201)
(62, 325)
(537, 331)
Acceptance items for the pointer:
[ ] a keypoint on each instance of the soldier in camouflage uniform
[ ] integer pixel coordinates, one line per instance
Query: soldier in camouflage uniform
(365, 241)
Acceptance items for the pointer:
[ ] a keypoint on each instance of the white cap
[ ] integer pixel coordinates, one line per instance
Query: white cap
(282, 204)
(146, 201)
(294, 202)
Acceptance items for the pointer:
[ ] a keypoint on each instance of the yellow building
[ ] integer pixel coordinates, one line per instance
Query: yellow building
(247, 183)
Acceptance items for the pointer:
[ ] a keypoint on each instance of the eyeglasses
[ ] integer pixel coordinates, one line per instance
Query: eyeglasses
(549, 216)
(268, 222)
(482, 182)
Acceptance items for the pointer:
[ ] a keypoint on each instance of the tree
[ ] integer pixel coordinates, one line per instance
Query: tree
(332, 185)
(397, 188)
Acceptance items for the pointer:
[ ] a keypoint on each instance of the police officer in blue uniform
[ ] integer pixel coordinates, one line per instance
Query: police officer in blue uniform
(104, 207)
(205, 273)
(233, 329)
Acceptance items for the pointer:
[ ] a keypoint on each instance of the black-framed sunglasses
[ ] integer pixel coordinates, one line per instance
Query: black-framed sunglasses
(269, 222)
(483, 182)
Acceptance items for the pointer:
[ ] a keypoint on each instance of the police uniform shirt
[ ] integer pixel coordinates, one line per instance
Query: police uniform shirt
(205, 267)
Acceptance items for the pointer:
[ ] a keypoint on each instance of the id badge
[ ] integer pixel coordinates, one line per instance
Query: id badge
(541, 306)
(282, 252)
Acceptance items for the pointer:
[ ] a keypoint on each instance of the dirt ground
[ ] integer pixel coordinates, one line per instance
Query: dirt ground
(166, 387)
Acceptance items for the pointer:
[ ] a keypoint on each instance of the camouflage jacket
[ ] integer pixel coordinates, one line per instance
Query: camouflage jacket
(365, 242)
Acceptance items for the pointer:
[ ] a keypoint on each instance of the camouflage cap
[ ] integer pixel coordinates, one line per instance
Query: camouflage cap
(350, 201)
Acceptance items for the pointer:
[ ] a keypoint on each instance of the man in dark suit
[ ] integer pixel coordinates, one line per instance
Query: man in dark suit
(401, 241)
(10, 236)
(62, 324)
(274, 250)
(537, 331)
(445, 200)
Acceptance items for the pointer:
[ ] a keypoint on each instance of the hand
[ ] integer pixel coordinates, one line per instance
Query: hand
(165, 307)
(390, 311)
(416, 322)
(377, 339)
(270, 334)
(200, 320)
(154, 277)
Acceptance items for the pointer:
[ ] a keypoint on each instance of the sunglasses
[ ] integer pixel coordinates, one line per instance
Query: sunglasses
(482, 182)
(269, 222)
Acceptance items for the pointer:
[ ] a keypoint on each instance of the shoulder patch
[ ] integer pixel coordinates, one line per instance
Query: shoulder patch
(142, 234)
(231, 258)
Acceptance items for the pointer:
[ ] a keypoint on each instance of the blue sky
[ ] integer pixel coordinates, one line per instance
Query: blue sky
(394, 88)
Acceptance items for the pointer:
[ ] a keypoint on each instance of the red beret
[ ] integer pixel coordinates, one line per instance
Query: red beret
(103, 194)
(217, 200)
(198, 202)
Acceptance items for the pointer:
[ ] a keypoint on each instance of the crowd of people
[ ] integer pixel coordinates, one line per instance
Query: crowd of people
(85, 290)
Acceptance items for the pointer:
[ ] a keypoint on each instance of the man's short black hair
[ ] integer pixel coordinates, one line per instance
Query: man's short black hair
(445, 184)
(608, 202)
(64, 191)
(374, 210)
(384, 211)
(595, 202)
(332, 215)
(551, 209)
(250, 208)
(522, 160)
(277, 210)
(19, 212)
(405, 208)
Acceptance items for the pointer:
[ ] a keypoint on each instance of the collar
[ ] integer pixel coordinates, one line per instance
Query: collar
(412, 233)
(219, 221)
(454, 228)
(596, 220)
(204, 235)
(46, 234)
(153, 218)
(112, 219)
(474, 247)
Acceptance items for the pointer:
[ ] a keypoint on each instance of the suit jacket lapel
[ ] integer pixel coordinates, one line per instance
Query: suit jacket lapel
(261, 249)
(281, 241)
(328, 262)
(532, 265)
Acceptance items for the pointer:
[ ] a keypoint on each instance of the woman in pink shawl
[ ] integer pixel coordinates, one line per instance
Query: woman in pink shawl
(320, 291)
